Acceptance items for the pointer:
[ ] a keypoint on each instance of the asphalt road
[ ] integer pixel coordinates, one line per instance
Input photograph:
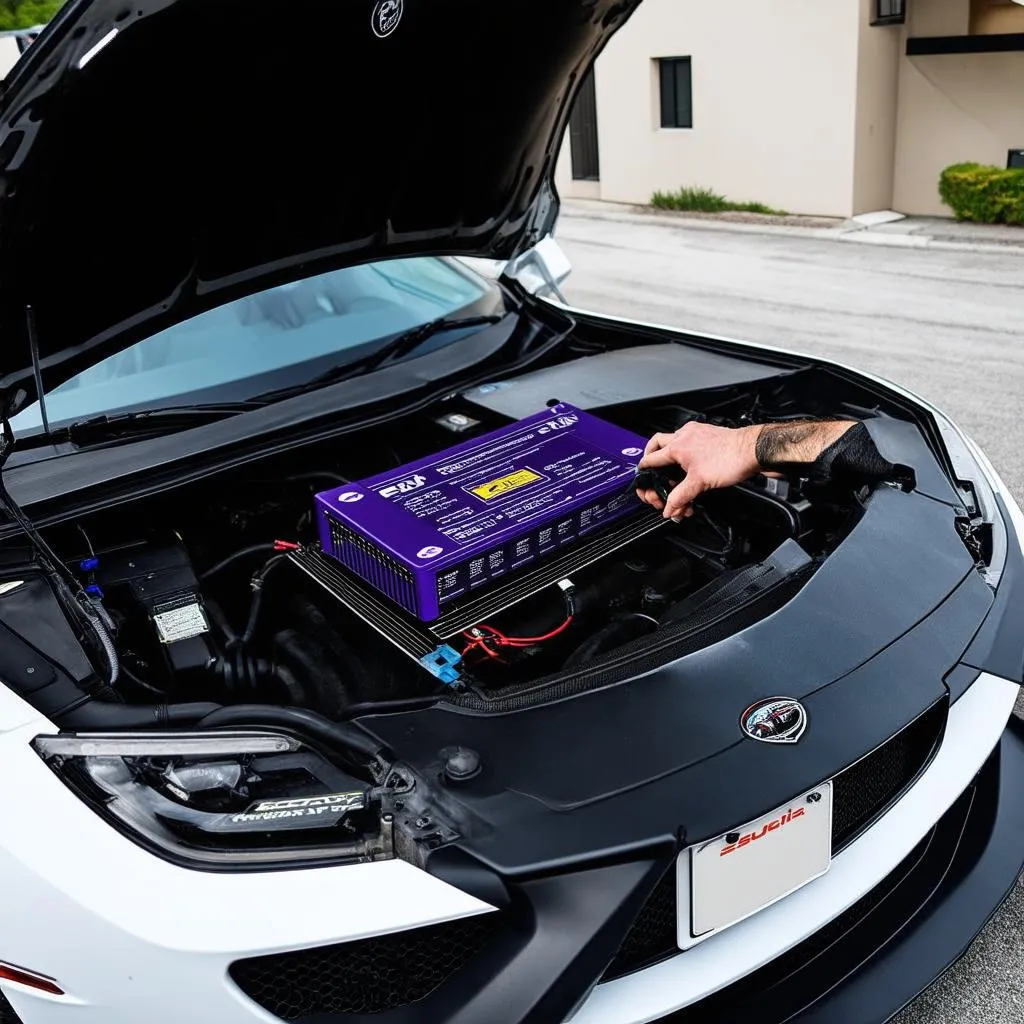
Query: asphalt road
(948, 325)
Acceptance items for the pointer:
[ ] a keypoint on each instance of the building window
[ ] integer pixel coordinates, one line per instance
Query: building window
(676, 81)
(890, 12)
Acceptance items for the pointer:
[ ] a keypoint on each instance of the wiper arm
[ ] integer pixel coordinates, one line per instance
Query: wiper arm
(409, 341)
(389, 353)
(149, 422)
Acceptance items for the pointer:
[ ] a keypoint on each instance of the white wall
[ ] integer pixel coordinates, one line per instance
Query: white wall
(774, 101)
(9, 54)
(954, 108)
(878, 64)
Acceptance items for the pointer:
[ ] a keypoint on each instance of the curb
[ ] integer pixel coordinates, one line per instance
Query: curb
(847, 231)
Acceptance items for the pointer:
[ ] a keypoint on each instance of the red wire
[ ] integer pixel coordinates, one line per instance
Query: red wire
(511, 641)
(526, 641)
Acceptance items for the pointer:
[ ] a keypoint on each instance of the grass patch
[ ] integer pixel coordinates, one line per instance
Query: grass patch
(705, 200)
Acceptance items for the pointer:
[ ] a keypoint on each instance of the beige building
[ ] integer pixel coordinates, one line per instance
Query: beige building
(831, 107)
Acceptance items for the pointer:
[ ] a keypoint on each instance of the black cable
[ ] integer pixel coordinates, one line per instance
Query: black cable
(253, 549)
(258, 582)
(141, 684)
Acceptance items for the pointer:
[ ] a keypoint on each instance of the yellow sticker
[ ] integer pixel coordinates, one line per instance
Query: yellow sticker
(496, 488)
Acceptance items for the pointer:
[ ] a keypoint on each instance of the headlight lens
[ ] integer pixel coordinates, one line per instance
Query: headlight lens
(227, 800)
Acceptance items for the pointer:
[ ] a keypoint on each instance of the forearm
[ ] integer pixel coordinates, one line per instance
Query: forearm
(779, 446)
(839, 452)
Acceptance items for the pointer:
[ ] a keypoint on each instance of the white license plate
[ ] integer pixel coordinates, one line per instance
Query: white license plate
(752, 866)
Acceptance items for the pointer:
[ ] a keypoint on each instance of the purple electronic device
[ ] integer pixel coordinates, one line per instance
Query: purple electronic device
(445, 526)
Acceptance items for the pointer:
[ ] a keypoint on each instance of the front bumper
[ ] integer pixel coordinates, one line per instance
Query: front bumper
(133, 938)
(891, 945)
(975, 733)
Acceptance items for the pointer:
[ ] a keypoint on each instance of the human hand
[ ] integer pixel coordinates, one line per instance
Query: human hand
(708, 456)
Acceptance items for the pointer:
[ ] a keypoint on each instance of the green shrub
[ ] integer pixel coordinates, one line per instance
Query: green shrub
(704, 200)
(27, 13)
(987, 195)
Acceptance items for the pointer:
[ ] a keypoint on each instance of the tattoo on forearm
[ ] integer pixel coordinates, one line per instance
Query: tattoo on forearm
(780, 444)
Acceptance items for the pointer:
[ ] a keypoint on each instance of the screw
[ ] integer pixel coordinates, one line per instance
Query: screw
(30, 670)
(422, 822)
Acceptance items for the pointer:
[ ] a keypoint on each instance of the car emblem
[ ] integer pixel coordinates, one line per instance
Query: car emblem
(386, 16)
(779, 720)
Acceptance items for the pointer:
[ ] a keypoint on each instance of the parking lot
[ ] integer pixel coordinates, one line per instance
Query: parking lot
(945, 323)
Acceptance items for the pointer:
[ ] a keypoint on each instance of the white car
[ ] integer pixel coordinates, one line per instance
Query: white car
(344, 677)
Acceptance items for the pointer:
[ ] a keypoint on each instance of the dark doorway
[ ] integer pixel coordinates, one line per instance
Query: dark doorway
(586, 162)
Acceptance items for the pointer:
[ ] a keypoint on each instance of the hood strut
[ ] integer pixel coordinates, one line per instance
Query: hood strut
(53, 565)
(68, 590)
(33, 346)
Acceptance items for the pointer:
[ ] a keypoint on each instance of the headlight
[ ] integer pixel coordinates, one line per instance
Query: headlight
(223, 800)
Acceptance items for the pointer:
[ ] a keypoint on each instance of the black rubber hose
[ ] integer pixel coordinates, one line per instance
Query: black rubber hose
(253, 549)
(620, 631)
(335, 734)
(220, 620)
(97, 715)
(387, 707)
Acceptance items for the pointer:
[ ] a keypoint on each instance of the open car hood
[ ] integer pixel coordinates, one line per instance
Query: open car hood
(162, 157)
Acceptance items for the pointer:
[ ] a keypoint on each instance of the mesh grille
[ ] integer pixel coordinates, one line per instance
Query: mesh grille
(7, 1014)
(370, 976)
(864, 790)
(653, 935)
(860, 795)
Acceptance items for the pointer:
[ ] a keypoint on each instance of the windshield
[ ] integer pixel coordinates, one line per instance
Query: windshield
(274, 339)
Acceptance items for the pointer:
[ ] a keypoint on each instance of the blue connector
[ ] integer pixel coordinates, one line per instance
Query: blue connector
(89, 564)
(443, 663)
(93, 590)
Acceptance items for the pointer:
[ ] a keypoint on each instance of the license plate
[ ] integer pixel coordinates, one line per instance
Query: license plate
(755, 865)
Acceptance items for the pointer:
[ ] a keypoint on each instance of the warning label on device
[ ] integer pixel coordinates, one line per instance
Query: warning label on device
(496, 488)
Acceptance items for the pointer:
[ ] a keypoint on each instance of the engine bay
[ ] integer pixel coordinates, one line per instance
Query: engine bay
(224, 593)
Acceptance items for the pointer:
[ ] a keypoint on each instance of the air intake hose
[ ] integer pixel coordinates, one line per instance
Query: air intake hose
(336, 735)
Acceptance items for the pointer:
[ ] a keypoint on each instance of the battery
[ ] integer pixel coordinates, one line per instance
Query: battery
(443, 528)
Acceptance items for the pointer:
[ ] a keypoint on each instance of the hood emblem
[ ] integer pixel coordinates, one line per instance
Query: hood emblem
(779, 720)
(386, 16)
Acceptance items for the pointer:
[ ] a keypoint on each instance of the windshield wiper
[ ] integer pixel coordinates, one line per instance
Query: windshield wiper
(150, 422)
(389, 353)
(154, 422)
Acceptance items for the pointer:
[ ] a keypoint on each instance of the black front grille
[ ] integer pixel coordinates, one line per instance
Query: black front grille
(860, 795)
(369, 976)
(865, 789)
(7, 1014)
(653, 935)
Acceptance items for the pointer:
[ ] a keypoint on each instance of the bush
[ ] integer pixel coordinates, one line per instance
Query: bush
(987, 195)
(704, 200)
(27, 13)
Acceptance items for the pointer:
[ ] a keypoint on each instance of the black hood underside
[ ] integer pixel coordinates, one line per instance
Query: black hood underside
(162, 157)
